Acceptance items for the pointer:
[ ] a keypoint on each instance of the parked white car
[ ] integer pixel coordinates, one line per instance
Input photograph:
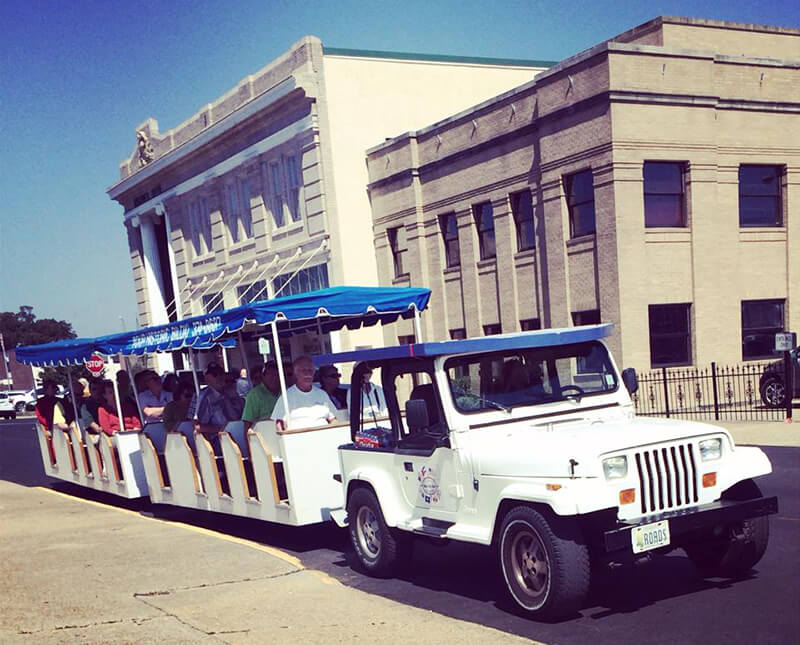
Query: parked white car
(7, 406)
(20, 399)
(529, 443)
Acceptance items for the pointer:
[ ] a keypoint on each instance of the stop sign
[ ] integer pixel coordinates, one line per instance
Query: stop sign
(95, 365)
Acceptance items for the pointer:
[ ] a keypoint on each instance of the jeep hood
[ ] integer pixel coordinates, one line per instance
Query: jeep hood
(545, 450)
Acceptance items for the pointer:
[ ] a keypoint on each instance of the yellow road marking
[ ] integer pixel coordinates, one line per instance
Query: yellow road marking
(281, 555)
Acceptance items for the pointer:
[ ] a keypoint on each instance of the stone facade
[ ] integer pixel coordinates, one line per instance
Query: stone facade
(700, 98)
(268, 181)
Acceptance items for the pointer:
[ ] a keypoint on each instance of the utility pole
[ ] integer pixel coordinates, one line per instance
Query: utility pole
(5, 363)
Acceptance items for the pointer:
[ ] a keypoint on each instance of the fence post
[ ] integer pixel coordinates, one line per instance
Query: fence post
(666, 390)
(714, 387)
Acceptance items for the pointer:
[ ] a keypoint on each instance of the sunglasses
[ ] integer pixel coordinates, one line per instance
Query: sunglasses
(332, 375)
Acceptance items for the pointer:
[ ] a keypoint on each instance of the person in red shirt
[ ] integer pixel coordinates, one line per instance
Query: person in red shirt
(108, 416)
(46, 406)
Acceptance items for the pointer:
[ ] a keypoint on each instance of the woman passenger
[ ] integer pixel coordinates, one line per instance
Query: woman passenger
(109, 416)
(177, 410)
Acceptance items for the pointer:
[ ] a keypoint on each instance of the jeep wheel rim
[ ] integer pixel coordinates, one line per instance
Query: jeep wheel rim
(529, 565)
(368, 532)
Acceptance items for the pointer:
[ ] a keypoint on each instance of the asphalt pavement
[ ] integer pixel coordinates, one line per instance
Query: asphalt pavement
(82, 567)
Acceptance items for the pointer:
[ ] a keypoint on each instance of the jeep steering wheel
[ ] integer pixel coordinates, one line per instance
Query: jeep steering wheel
(577, 392)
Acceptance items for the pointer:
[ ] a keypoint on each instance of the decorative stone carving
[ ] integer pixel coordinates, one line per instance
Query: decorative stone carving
(144, 148)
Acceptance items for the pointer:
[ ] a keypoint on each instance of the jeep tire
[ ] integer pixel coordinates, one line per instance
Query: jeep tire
(773, 392)
(741, 548)
(377, 547)
(545, 566)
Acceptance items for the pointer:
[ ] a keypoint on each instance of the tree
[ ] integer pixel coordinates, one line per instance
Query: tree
(23, 328)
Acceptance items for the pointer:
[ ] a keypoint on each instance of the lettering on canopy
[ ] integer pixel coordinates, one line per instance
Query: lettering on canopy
(178, 334)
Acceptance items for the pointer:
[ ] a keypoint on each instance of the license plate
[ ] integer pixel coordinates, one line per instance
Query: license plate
(650, 536)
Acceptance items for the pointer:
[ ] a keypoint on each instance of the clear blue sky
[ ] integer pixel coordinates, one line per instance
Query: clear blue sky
(76, 77)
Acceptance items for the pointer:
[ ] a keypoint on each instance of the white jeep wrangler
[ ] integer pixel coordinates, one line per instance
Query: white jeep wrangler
(529, 442)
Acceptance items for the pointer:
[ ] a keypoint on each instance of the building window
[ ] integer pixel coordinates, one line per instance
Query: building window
(580, 203)
(670, 335)
(399, 245)
(484, 222)
(761, 320)
(522, 207)
(252, 292)
(293, 187)
(305, 280)
(213, 302)
(452, 251)
(239, 220)
(760, 196)
(492, 330)
(588, 317)
(664, 194)
(200, 226)
(406, 340)
(274, 186)
(530, 324)
(458, 334)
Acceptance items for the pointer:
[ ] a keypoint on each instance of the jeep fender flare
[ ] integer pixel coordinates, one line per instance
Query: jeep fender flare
(743, 462)
(393, 503)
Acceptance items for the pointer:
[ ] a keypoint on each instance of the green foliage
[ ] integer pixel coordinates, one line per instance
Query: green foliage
(23, 328)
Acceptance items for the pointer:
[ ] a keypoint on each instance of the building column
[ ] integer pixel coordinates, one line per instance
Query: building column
(154, 282)
(161, 209)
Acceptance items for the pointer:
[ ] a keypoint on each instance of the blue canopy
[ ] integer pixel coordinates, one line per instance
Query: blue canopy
(326, 310)
(523, 340)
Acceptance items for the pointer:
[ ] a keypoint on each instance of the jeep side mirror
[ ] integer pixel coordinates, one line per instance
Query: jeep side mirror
(630, 379)
(416, 415)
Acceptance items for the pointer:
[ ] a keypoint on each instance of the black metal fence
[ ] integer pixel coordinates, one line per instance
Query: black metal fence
(716, 392)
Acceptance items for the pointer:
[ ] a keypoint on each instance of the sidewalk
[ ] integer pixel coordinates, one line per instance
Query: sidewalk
(763, 433)
(75, 571)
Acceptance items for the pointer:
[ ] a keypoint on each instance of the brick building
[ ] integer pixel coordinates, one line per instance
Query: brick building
(263, 191)
(652, 181)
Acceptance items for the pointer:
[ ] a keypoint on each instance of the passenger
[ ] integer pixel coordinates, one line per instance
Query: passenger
(76, 394)
(373, 400)
(329, 380)
(261, 400)
(170, 383)
(214, 408)
(50, 406)
(85, 383)
(141, 379)
(153, 399)
(288, 374)
(309, 406)
(243, 384)
(177, 410)
(109, 415)
(90, 418)
(124, 385)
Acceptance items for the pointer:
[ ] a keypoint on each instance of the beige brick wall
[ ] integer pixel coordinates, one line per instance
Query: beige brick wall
(610, 110)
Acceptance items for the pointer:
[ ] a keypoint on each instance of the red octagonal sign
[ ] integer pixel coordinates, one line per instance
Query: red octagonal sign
(95, 365)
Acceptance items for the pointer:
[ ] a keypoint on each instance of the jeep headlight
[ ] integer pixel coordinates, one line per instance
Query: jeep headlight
(710, 449)
(615, 467)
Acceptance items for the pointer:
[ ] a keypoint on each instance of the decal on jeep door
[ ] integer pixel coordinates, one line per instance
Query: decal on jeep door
(428, 485)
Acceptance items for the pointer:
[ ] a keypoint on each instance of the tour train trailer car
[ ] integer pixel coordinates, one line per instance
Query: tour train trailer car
(278, 475)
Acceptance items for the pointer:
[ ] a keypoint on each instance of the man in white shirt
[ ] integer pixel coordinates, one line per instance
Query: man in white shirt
(309, 406)
(153, 399)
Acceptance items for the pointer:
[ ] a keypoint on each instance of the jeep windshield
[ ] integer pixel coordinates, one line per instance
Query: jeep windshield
(514, 378)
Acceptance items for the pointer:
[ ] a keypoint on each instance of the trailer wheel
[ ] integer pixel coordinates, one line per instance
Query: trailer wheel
(545, 568)
(377, 547)
(743, 545)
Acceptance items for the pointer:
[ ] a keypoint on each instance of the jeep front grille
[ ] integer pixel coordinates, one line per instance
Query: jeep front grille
(667, 477)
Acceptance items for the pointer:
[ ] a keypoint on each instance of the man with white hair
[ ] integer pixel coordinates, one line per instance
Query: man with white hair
(308, 406)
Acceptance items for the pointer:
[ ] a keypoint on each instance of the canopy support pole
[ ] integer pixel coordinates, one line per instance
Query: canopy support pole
(224, 359)
(417, 325)
(194, 374)
(275, 340)
(135, 393)
(243, 353)
(72, 396)
(119, 403)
